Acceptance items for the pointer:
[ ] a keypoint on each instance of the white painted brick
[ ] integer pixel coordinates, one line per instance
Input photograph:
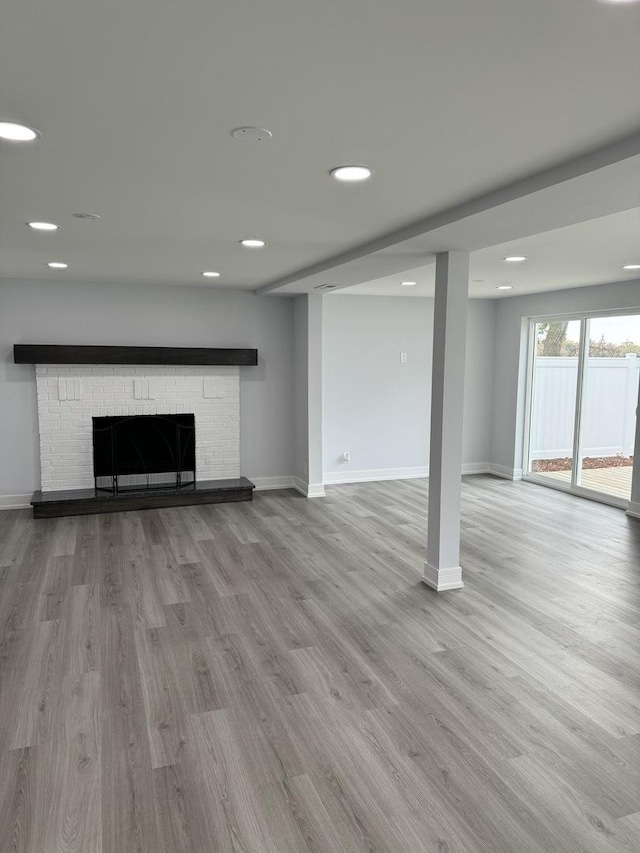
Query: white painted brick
(66, 427)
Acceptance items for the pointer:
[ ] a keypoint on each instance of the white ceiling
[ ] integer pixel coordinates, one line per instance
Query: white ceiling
(136, 101)
(588, 253)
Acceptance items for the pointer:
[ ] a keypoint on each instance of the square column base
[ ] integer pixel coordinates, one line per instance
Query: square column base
(442, 579)
(309, 490)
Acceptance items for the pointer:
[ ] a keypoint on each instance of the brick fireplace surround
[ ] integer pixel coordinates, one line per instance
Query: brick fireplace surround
(69, 396)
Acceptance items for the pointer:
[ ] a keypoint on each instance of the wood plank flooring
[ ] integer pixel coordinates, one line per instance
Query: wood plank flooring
(272, 677)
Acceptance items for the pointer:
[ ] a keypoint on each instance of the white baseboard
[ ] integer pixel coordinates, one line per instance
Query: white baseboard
(476, 468)
(634, 509)
(373, 474)
(504, 472)
(309, 490)
(262, 484)
(443, 579)
(315, 490)
(15, 501)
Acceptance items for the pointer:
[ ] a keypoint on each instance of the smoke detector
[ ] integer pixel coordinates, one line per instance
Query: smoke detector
(252, 134)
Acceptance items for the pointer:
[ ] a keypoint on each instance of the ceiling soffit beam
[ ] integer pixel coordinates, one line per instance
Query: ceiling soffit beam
(615, 152)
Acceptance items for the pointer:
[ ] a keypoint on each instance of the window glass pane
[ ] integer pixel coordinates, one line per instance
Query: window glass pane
(553, 402)
(609, 401)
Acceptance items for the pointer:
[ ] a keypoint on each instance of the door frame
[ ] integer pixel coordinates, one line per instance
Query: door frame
(573, 487)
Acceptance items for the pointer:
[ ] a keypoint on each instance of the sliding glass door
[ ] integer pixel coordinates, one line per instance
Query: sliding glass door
(582, 407)
(553, 400)
(609, 401)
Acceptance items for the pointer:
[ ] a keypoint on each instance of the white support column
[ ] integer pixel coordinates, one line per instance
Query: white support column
(315, 488)
(442, 570)
(634, 503)
(308, 395)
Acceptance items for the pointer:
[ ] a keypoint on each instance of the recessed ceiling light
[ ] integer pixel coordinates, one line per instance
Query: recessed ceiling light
(408, 283)
(250, 243)
(92, 216)
(617, 2)
(351, 173)
(17, 132)
(43, 226)
(57, 265)
(211, 274)
(515, 259)
(631, 267)
(504, 287)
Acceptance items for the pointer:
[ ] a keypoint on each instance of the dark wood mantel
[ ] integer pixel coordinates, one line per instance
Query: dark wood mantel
(71, 354)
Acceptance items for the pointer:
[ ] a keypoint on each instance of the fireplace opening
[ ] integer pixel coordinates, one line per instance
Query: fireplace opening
(144, 452)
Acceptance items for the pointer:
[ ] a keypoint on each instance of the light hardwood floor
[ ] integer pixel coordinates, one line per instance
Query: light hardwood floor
(272, 677)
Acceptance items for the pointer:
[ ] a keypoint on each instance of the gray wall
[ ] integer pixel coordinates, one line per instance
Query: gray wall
(374, 407)
(511, 354)
(377, 408)
(69, 312)
(479, 378)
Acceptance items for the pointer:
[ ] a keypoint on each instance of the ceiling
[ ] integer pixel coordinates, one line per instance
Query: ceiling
(136, 101)
(588, 253)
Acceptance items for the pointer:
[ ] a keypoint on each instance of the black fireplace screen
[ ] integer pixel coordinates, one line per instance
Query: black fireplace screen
(144, 445)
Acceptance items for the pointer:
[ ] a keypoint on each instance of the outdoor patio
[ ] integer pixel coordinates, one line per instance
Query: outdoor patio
(610, 481)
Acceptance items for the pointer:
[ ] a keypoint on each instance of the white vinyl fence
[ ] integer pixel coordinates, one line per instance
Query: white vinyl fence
(609, 406)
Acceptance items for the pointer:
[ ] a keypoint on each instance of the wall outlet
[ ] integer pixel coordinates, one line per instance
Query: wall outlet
(403, 358)
(346, 456)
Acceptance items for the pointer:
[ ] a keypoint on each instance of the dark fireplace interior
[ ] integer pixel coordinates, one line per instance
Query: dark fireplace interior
(144, 451)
